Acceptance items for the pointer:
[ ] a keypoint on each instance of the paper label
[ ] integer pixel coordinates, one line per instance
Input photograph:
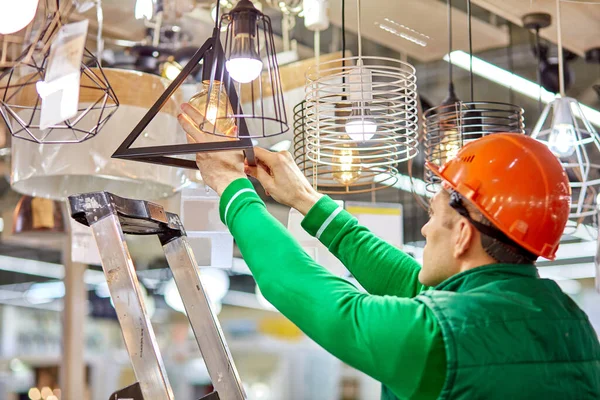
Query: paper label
(60, 89)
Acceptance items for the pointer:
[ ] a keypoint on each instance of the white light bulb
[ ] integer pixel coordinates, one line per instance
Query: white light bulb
(144, 9)
(15, 16)
(244, 70)
(562, 140)
(361, 130)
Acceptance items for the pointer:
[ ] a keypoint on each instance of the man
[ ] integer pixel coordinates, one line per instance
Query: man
(474, 322)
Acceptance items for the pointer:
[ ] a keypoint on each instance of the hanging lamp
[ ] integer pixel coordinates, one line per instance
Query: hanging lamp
(55, 171)
(572, 138)
(360, 120)
(242, 95)
(454, 123)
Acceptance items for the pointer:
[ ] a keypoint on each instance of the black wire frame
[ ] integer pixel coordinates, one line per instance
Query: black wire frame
(93, 80)
(162, 154)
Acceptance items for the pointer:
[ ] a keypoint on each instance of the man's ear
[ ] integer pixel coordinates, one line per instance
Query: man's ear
(464, 234)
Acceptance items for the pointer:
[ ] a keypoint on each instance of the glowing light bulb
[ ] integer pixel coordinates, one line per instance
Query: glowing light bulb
(347, 168)
(216, 108)
(562, 140)
(144, 9)
(170, 69)
(244, 64)
(15, 16)
(360, 125)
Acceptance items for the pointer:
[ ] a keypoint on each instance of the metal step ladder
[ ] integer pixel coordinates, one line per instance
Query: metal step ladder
(110, 217)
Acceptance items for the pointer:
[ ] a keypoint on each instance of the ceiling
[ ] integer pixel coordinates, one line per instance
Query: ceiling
(580, 21)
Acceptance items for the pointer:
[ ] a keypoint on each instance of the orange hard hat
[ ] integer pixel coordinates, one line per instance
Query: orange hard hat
(517, 184)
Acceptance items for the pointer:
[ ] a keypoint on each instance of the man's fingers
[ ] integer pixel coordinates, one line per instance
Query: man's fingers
(264, 177)
(195, 114)
(265, 156)
(190, 129)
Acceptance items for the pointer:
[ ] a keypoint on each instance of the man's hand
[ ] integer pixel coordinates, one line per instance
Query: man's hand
(283, 180)
(218, 169)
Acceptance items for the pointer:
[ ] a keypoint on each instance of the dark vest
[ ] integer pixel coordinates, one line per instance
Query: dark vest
(510, 335)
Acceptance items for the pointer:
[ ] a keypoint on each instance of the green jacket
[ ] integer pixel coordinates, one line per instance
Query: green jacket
(395, 333)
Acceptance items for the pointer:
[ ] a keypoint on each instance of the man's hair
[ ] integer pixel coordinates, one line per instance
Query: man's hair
(502, 252)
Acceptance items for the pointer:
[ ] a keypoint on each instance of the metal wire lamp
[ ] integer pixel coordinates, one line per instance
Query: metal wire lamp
(242, 95)
(454, 123)
(360, 121)
(572, 138)
(20, 104)
(339, 171)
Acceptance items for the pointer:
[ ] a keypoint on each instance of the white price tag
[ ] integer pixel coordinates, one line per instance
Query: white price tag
(60, 89)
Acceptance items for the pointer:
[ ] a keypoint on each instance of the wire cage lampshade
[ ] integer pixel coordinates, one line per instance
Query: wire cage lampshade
(241, 97)
(571, 137)
(339, 171)
(251, 64)
(360, 120)
(20, 104)
(448, 127)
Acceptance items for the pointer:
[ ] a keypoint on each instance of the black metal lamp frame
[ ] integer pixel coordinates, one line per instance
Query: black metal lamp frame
(163, 155)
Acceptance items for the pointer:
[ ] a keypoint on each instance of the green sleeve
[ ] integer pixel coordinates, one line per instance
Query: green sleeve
(379, 267)
(395, 340)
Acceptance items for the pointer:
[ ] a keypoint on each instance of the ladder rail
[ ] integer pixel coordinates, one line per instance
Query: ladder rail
(204, 322)
(111, 217)
(137, 330)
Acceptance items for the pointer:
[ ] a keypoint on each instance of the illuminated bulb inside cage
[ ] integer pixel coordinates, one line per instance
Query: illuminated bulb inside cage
(346, 169)
(360, 125)
(15, 16)
(562, 139)
(244, 64)
(449, 147)
(216, 109)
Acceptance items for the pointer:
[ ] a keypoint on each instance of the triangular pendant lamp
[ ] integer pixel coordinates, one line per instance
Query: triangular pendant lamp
(572, 138)
(454, 123)
(233, 74)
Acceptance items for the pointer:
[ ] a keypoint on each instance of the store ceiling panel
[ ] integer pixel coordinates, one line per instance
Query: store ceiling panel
(418, 27)
(580, 22)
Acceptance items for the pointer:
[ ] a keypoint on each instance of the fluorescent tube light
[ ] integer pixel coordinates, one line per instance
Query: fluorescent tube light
(515, 82)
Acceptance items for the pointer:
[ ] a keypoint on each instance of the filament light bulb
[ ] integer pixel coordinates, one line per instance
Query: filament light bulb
(346, 169)
(215, 107)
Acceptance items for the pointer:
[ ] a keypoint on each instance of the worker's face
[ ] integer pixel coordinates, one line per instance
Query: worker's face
(439, 254)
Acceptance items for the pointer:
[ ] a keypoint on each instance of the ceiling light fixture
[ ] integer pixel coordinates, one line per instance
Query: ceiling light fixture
(508, 79)
(233, 77)
(566, 131)
(358, 120)
(454, 123)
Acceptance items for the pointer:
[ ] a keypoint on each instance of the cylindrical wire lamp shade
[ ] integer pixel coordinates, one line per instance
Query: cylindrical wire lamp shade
(339, 172)
(56, 171)
(360, 120)
(449, 127)
(251, 63)
(571, 137)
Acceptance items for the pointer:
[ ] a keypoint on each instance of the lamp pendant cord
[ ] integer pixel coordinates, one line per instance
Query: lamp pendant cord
(470, 46)
(561, 66)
